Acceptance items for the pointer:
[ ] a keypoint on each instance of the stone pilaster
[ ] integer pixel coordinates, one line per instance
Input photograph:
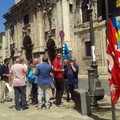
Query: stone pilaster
(41, 34)
(66, 20)
(34, 30)
(59, 24)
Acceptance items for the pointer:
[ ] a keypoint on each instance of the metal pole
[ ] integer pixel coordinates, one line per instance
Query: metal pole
(113, 112)
(98, 92)
(91, 71)
(107, 16)
(62, 51)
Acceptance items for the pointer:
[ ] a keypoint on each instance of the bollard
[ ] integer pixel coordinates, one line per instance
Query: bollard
(82, 101)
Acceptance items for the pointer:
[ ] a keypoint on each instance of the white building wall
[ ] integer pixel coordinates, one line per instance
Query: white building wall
(16, 1)
(66, 20)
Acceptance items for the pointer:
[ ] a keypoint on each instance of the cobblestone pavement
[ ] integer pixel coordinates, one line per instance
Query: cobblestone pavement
(67, 112)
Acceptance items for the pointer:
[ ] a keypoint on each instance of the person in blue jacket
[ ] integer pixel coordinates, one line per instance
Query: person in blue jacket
(45, 80)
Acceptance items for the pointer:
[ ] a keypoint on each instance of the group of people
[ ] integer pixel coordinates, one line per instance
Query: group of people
(43, 78)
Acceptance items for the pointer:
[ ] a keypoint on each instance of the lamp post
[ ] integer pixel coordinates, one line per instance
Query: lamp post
(95, 90)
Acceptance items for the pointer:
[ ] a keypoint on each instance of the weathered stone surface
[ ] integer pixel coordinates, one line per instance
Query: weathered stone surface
(82, 101)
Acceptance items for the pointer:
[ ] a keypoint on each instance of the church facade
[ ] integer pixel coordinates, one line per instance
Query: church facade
(33, 30)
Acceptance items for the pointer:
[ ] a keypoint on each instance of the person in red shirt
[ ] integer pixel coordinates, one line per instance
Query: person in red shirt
(58, 76)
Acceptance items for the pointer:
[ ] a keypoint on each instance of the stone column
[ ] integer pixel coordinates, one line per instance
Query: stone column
(8, 43)
(16, 38)
(41, 34)
(59, 22)
(66, 20)
(3, 52)
(35, 30)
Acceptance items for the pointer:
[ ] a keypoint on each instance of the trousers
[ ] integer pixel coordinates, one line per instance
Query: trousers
(3, 90)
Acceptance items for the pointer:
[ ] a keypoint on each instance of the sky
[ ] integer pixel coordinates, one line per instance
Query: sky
(4, 8)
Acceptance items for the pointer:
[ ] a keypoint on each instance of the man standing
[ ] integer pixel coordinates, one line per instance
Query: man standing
(72, 76)
(44, 82)
(58, 75)
(4, 73)
(34, 89)
(66, 86)
(18, 72)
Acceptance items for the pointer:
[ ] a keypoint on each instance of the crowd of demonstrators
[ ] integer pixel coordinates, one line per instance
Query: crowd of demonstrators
(18, 73)
(43, 78)
(5, 78)
(44, 82)
(58, 77)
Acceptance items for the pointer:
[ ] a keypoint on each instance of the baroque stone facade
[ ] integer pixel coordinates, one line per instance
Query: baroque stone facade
(33, 26)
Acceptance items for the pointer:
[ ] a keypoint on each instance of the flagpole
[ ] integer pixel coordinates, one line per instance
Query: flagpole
(113, 111)
(107, 15)
(62, 50)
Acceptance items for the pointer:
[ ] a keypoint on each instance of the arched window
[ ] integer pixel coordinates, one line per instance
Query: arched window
(85, 14)
(28, 46)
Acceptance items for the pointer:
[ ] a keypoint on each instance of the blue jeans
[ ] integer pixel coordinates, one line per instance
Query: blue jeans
(20, 96)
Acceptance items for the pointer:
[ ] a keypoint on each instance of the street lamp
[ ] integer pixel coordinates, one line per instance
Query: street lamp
(95, 90)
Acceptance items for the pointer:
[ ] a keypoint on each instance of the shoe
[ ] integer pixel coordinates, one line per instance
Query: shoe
(25, 108)
(18, 109)
(2, 101)
(47, 107)
(60, 105)
(39, 108)
(67, 99)
(52, 98)
(8, 99)
(34, 103)
(71, 100)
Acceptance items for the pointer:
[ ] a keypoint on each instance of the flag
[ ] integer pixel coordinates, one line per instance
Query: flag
(66, 52)
(113, 60)
(117, 3)
(117, 28)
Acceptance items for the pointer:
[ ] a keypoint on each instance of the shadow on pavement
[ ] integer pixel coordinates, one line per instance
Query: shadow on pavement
(11, 107)
(95, 117)
(100, 112)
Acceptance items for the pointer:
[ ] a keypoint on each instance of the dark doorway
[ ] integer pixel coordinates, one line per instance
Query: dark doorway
(51, 49)
(27, 43)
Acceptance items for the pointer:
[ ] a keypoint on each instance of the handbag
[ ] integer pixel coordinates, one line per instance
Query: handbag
(31, 76)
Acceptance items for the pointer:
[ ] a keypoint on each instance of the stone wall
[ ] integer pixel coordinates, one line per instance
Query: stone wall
(62, 15)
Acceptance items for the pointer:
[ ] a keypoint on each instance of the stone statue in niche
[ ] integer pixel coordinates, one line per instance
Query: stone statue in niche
(51, 49)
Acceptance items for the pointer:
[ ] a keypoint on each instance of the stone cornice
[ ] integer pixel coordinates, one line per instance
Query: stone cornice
(20, 9)
(85, 26)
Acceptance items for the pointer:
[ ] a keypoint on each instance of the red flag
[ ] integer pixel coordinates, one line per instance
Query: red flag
(113, 60)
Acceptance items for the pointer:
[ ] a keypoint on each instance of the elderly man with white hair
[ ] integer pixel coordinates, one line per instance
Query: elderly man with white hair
(18, 73)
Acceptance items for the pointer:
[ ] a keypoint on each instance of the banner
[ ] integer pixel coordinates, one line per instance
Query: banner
(117, 3)
(113, 60)
(66, 52)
